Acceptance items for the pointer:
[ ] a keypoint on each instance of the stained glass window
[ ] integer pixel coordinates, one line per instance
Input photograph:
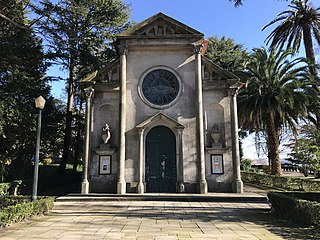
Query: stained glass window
(160, 87)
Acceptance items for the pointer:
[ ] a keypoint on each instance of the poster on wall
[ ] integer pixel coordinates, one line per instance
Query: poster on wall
(105, 164)
(217, 164)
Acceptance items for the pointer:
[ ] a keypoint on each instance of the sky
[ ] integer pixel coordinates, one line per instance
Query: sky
(215, 18)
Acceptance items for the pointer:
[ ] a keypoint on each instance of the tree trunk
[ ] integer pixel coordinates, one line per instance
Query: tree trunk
(273, 144)
(308, 45)
(68, 129)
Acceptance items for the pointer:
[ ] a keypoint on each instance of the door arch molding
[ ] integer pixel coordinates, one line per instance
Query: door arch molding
(144, 128)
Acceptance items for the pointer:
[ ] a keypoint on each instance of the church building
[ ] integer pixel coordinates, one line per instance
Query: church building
(161, 118)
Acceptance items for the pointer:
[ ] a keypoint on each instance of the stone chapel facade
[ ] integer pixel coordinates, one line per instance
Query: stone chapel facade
(161, 118)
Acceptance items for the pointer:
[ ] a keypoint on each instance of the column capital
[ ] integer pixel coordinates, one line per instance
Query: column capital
(123, 49)
(88, 92)
(198, 48)
(180, 131)
(140, 130)
(233, 92)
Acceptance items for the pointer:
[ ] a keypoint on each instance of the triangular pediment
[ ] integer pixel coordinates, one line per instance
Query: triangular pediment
(160, 117)
(109, 73)
(213, 71)
(160, 25)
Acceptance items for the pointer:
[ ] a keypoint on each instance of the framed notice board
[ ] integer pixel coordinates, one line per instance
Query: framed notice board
(105, 164)
(217, 164)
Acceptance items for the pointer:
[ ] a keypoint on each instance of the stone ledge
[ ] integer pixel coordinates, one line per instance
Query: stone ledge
(105, 149)
(217, 149)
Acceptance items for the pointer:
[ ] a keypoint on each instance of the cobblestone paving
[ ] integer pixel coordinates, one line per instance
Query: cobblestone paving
(139, 220)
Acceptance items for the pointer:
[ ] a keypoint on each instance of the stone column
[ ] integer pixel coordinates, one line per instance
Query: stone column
(237, 185)
(203, 186)
(141, 157)
(180, 157)
(121, 184)
(85, 183)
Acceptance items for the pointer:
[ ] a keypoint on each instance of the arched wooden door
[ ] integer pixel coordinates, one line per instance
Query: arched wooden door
(161, 171)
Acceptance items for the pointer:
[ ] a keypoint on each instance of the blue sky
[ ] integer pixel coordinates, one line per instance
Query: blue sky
(216, 17)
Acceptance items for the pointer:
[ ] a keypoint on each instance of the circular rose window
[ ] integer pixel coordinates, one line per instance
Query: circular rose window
(160, 87)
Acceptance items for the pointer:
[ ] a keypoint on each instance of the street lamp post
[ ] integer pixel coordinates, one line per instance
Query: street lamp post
(39, 105)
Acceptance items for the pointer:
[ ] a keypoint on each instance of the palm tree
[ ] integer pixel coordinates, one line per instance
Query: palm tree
(300, 23)
(274, 97)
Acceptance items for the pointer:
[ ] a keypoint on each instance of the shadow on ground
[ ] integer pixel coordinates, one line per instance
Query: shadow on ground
(216, 213)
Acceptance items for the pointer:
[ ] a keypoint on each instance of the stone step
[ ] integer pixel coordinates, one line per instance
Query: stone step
(211, 197)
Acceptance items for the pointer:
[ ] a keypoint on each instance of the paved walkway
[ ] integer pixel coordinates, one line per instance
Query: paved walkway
(159, 220)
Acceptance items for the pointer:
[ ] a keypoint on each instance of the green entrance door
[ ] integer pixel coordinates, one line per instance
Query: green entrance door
(161, 171)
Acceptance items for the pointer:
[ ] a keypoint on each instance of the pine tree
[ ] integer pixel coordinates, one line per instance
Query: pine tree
(79, 33)
(21, 81)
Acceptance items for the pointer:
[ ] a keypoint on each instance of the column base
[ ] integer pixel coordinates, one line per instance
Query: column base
(203, 187)
(180, 187)
(140, 188)
(85, 187)
(121, 187)
(237, 186)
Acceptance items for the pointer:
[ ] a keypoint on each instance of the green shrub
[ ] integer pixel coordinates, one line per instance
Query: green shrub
(6, 201)
(303, 212)
(10, 187)
(23, 208)
(4, 188)
(283, 182)
(310, 196)
(245, 164)
(47, 160)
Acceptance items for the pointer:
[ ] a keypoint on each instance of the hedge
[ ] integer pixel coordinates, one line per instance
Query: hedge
(288, 183)
(10, 187)
(14, 209)
(289, 206)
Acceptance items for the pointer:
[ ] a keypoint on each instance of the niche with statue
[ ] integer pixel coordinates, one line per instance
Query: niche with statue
(216, 136)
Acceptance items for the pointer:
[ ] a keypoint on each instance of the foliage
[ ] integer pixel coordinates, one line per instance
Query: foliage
(3, 171)
(300, 23)
(289, 206)
(273, 98)
(78, 33)
(22, 208)
(226, 53)
(10, 187)
(238, 3)
(306, 148)
(21, 81)
(51, 185)
(47, 160)
(282, 182)
(4, 188)
(245, 164)
(52, 132)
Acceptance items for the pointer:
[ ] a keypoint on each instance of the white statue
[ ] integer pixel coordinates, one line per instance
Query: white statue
(106, 135)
